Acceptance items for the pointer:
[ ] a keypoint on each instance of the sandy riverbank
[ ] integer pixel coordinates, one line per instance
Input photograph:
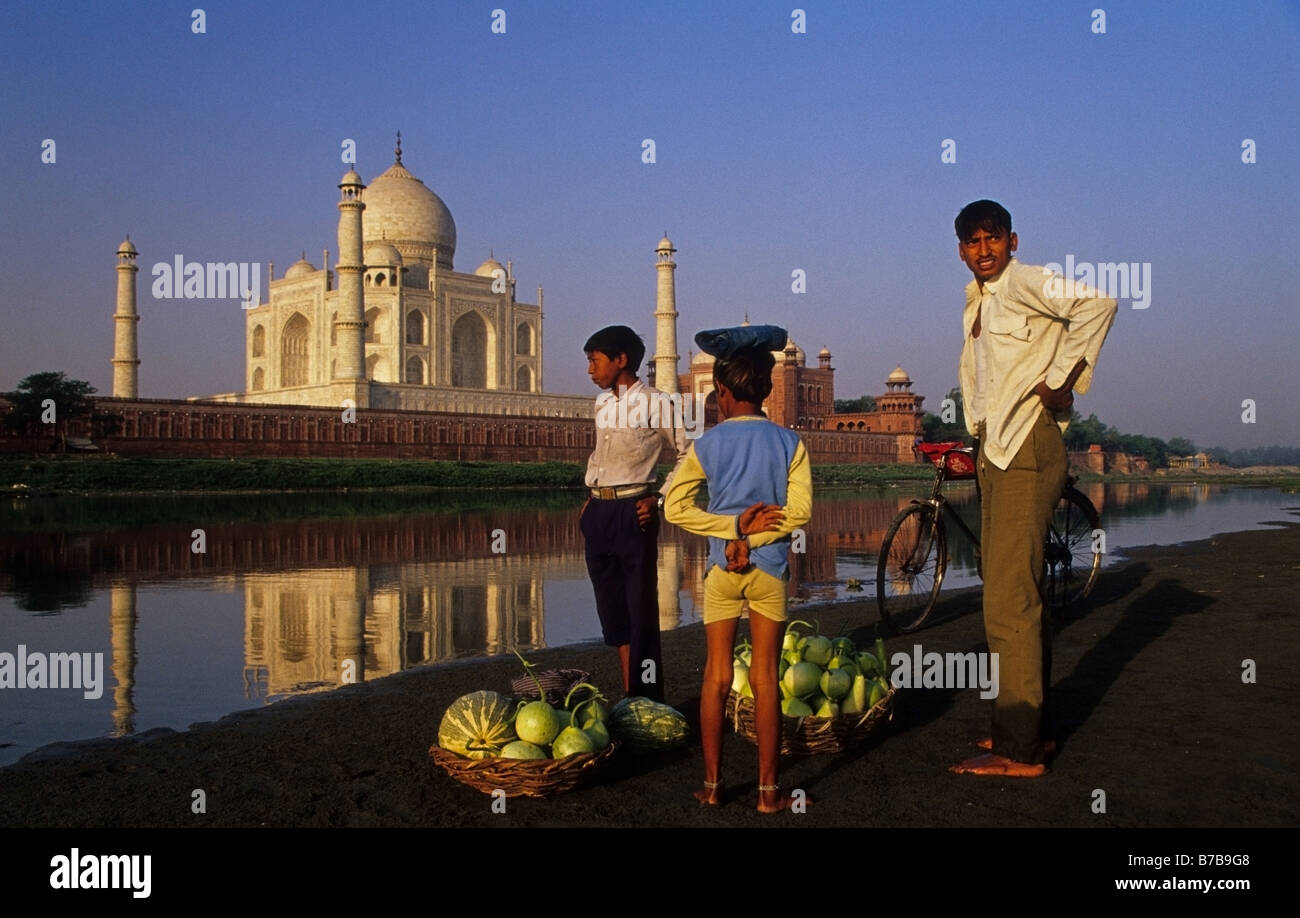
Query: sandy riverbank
(1148, 690)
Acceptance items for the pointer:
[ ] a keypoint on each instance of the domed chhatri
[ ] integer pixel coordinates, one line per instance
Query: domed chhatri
(899, 377)
(382, 255)
(300, 268)
(490, 267)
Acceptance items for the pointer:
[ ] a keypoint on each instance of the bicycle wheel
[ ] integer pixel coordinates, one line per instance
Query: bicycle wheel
(910, 570)
(1069, 559)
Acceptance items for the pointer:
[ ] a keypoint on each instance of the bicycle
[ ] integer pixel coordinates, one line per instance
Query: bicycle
(914, 554)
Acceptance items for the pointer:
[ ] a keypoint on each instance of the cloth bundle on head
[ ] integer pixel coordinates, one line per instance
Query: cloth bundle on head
(725, 343)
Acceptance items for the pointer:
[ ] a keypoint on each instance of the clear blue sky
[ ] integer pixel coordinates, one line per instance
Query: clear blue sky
(775, 151)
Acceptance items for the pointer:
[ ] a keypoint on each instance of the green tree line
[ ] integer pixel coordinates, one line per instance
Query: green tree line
(1083, 432)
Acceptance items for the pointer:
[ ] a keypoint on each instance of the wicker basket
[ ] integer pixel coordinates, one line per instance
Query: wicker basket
(555, 682)
(813, 735)
(525, 777)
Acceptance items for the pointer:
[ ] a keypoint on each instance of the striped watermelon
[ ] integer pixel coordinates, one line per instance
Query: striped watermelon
(478, 725)
(648, 726)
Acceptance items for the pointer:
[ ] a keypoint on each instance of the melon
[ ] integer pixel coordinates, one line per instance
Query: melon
(647, 726)
(836, 683)
(817, 650)
(827, 708)
(477, 725)
(523, 750)
(537, 723)
(571, 741)
(793, 707)
(802, 679)
(598, 733)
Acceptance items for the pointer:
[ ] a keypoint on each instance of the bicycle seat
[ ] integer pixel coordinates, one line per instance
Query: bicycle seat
(959, 464)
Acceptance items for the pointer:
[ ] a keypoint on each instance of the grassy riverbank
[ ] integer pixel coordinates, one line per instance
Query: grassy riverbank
(77, 475)
(103, 475)
(1285, 477)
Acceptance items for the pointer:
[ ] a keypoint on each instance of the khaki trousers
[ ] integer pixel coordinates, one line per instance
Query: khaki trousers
(1016, 505)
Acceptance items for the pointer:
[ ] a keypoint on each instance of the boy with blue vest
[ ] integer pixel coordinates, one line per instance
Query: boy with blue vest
(760, 490)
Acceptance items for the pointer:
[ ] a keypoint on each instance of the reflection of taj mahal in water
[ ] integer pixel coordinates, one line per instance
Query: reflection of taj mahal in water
(349, 601)
(353, 600)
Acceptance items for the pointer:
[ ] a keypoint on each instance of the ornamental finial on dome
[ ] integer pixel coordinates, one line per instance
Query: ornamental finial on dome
(398, 152)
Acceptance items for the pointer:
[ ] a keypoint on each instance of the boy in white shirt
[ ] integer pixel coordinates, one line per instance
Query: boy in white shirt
(620, 520)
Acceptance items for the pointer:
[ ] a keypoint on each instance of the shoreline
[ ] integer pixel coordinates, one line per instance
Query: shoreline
(1148, 690)
(76, 476)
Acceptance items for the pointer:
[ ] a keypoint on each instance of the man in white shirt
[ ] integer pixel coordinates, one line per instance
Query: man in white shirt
(1027, 346)
(620, 520)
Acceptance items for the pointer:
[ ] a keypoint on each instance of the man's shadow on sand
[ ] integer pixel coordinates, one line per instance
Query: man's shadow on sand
(919, 708)
(1149, 613)
(1145, 620)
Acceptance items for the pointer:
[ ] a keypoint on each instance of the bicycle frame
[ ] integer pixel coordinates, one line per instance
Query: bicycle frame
(913, 576)
(941, 504)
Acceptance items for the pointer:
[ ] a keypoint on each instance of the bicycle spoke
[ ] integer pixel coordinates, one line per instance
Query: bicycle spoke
(910, 570)
(1070, 563)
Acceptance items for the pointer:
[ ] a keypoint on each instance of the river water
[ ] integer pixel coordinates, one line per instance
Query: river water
(182, 610)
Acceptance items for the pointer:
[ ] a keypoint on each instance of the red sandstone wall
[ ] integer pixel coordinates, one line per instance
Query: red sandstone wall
(173, 428)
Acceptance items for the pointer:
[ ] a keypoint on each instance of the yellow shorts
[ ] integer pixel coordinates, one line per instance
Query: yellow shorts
(725, 595)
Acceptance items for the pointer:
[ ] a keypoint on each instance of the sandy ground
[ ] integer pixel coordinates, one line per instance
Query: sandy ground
(1148, 692)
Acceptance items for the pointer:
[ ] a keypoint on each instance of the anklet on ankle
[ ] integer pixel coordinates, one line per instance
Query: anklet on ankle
(770, 788)
(712, 785)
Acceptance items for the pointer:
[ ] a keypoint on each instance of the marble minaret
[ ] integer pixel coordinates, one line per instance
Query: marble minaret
(666, 319)
(126, 354)
(351, 323)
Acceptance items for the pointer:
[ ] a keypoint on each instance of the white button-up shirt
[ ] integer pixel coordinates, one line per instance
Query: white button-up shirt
(1034, 330)
(627, 445)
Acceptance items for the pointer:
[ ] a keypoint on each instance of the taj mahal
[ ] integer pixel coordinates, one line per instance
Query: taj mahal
(393, 327)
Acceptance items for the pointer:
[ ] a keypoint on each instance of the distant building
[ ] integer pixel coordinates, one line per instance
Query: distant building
(898, 411)
(802, 396)
(1189, 463)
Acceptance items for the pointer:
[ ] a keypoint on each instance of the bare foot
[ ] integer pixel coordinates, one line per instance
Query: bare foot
(778, 802)
(990, 764)
(1049, 745)
(709, 796)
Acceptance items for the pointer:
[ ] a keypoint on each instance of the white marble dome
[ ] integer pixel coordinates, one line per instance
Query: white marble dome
(382, 255)
(402, 211)
(300, 268)
(489, 268)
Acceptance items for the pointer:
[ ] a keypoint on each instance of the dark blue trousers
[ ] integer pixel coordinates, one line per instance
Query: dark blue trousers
(622, 560)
